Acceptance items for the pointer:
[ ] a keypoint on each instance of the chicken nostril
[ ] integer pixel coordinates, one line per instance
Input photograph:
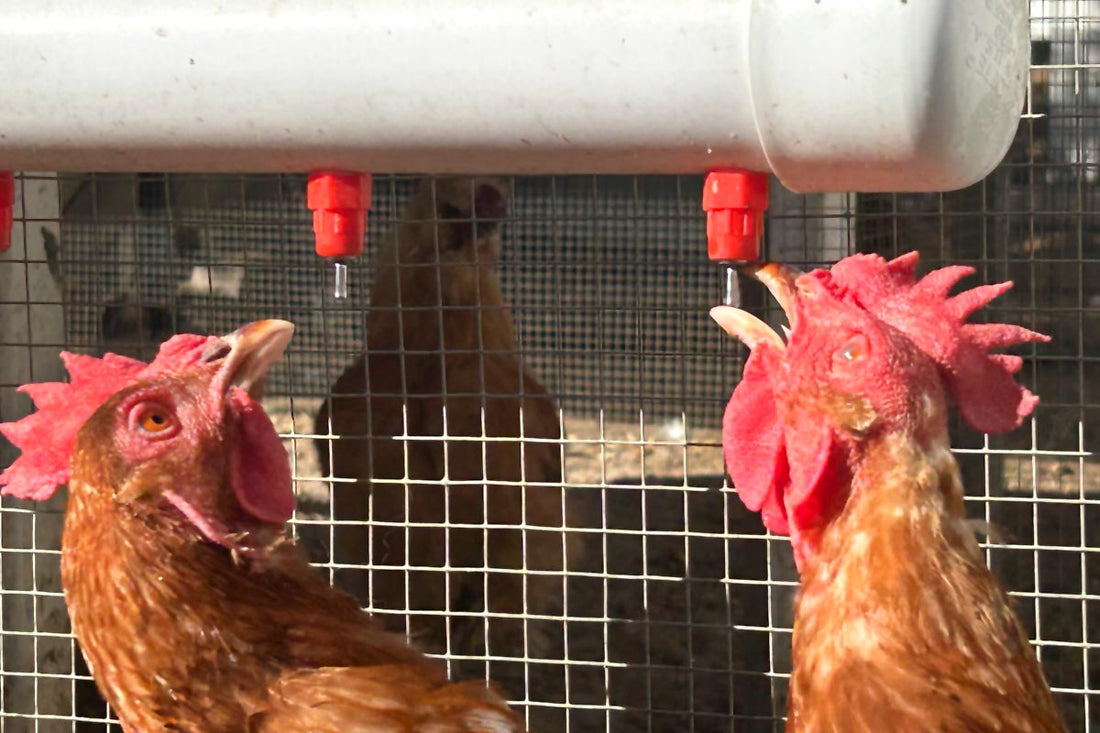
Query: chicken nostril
(217, 350)
(489, 203)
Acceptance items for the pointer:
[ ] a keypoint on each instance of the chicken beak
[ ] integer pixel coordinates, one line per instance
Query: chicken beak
(252, 350)
(745, 326)
(780, 282)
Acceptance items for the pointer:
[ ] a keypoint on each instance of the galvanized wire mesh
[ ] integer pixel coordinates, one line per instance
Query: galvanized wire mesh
(678, 616)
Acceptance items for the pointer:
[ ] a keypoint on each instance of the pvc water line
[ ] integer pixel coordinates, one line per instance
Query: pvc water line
(829, 95)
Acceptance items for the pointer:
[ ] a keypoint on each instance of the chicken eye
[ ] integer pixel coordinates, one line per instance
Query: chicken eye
(154, 420)
(446, 211)
(854, 350)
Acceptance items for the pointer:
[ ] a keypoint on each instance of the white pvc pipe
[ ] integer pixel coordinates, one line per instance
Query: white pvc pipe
(828, 94)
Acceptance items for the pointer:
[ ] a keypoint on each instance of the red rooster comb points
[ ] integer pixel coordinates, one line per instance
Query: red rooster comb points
(46, 437)
(981, 383)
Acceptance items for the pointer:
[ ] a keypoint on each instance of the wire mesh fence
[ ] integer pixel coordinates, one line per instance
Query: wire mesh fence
(548, 502)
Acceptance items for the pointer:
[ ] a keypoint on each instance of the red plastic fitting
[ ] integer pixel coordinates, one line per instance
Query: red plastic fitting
(7, 201)
(735, 202)
(339, 201)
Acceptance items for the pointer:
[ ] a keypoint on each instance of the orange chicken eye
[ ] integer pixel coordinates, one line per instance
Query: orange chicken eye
(153, 420)
(854, 350)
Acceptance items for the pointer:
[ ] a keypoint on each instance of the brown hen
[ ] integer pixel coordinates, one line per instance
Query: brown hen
(193, 609)
(838, 436)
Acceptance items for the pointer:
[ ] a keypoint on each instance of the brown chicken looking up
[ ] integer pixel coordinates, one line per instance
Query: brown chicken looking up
(839, 438)
(194, 610)
(441, 347)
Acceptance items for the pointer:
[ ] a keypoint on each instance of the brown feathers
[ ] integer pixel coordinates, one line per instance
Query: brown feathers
(384, 699)
(899, 619)
(177, 634)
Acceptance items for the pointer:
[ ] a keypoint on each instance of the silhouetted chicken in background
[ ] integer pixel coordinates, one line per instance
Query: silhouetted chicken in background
(135, 329)
(442, 359)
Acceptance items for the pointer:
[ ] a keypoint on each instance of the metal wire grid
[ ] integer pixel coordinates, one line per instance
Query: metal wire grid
(89, 264)
(682, 621)
(576, 684)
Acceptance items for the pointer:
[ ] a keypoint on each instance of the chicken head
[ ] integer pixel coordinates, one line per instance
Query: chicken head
(869, 349)
(181, 439)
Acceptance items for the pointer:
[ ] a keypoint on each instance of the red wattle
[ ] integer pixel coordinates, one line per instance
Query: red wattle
(752, 440)
(259, 469)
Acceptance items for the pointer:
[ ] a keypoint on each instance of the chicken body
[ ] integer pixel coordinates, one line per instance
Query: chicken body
(441, 360)
(180, 637)
(839, 437)
(899, 619)
(193, 609)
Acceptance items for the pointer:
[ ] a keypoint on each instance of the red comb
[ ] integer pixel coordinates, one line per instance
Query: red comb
(983, 384)
(46, 437)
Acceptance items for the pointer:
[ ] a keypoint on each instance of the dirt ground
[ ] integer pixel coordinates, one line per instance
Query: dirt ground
(596, 452)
